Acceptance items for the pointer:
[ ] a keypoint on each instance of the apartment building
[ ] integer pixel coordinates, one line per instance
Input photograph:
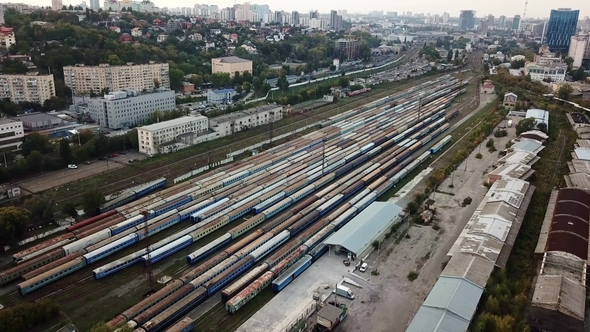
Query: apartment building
(11, 134)
(348, 48)
(83, 79)
(7, 38)
(121, 109)
(231, 65)
(31, 87)
(579, 49)
(249, 118)
(155, 135)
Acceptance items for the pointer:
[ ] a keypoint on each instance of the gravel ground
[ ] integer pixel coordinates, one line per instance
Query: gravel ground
(425, 250)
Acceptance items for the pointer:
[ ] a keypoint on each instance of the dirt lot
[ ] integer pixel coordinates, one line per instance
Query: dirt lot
(65, 176)
(424, 251)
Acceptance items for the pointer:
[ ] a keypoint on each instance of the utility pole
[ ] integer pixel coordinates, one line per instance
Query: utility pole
(149, 272)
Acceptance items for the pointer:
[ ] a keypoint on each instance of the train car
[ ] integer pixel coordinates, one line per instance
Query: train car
(291, 273)
(127, 224)
(51, 265)
(238, 301)
(175, 311)
(228, 275)
(237, 286)
(16, 272)
(163, 304)
(167, 250)
(43, 279)
(110, 248)
(43, 248)
(153, 299)
(269, 246)
(184, 325)
(91, 220)
(87, 241)
(203, 252)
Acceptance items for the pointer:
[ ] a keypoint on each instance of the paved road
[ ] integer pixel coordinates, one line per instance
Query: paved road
(59, 178)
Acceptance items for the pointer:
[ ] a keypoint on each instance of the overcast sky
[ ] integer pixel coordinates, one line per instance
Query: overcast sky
(509, 8)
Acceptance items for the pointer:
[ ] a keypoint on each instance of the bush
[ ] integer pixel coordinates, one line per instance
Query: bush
(466, 201)
(509, 144)
(375, 272)
(492, 149)
(478, 156)
(436, 227)
(69, 209)
(490, 143)
(375, 244)
(412, 207)
(412, 275)
(501, 133)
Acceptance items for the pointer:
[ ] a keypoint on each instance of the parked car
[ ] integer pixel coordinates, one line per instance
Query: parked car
(111, 156)
(131, 161)
(115, 154)
(87, 162)
(364, 267)
(122, 153)
(136, 160)
(72, 166)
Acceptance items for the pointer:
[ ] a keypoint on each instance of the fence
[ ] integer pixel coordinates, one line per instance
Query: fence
(202, 169)
(310, 309)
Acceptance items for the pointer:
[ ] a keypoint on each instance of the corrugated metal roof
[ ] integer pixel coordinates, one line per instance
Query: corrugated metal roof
(436, 320)
(456, 295)
(582, 153)
(470, 267)
(515, 157)
(528, 146)
(539, 115)
(363, 228)
(555, 292)
(516, 171)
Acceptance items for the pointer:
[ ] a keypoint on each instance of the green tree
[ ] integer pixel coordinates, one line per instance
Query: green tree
(579, 74)
(65, 152)
(282, 82)
(565, 91)
(91, 201)
(69, 209)
(246, 86)
(35, 161)
(569, 61)
(10, 66)
(27, 316)
(344, 82)
(525, 125)
(176, 79)
(36, 141)
(13, 224)
(41, 207)
(542, 126)
(133, 139)
(114, 60)
(220, 80)
(449, 56)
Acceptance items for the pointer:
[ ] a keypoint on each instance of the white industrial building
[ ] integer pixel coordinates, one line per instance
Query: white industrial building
(540, 116)
(553, 71)
(358, 235)
(121, 109)
(249, 118)
(155, 135)
(11, 134)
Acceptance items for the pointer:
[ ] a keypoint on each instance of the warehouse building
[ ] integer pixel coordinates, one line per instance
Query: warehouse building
(559, 296)
(358, 235)
(540, 116)
(245, 119)
(155, 135)
(121, 109)
(230, 65)
(40, 121)
(484, 244)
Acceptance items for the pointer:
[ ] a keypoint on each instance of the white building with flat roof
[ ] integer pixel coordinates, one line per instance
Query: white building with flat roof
(153, 136)
(11, 134)
(121, 109)
(249, 118)
(553, 71)
(578, 49)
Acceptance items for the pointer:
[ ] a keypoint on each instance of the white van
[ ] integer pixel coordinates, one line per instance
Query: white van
(72, 166)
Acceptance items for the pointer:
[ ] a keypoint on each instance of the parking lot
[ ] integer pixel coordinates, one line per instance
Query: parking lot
(65, 176)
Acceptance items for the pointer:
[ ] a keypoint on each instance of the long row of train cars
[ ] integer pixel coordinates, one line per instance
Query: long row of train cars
(174, 304)
(238, 210)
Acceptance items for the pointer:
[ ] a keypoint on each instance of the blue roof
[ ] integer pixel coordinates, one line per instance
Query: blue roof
(224, 91)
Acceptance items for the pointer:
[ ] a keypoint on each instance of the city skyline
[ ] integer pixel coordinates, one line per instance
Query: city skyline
(497, 8)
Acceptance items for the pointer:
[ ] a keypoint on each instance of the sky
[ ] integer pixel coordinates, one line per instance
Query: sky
(509, 8)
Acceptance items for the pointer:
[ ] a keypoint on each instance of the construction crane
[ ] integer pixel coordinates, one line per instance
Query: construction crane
(526, 3)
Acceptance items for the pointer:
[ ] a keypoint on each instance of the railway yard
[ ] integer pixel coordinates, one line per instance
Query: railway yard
(222, 239)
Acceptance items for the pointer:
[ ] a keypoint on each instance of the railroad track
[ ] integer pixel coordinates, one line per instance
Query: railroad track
(184, 165)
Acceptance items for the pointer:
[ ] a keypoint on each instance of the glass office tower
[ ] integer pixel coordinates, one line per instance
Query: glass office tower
(560, 29)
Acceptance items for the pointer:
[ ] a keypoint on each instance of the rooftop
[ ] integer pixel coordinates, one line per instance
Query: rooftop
(582, 153)
(450, 306)
(556, 292)
(474, 268)
(232, 59)
(528, 146)
(6, 121)
(222, 91)
(361, 229)
(173, 122)
(519, 156)
(517, 171)
(37, 117)
(535, 134)
(244, 113)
